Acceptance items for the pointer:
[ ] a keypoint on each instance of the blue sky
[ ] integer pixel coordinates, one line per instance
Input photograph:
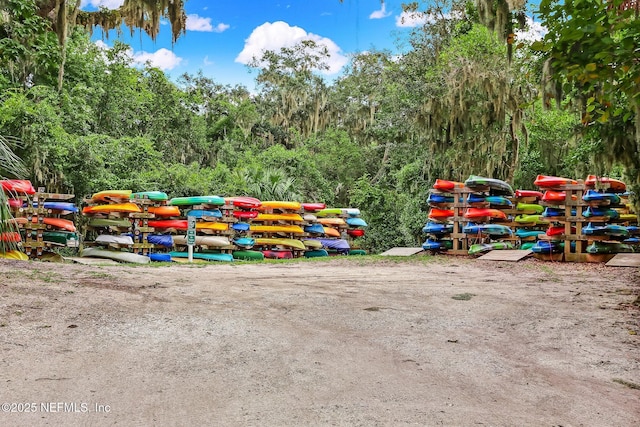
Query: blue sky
(222, 35)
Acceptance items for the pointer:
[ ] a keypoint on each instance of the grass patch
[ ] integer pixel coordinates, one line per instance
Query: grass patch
(629, 384)
(463, 297)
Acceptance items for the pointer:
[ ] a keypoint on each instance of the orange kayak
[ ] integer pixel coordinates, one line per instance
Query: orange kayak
(444, 185)
(60, 223)
(331, 232)
(164, 210)
(331, 221)
(281, 205)
(552, 181)
(473, 213)
(440, 213)
(556, 196)
(612, 184)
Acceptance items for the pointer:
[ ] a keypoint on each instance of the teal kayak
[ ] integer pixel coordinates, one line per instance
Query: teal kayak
(208, 256)
(156, 196)
(317, 253)
(197, 200)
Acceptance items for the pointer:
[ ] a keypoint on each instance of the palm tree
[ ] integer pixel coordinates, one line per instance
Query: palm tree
(10, 164)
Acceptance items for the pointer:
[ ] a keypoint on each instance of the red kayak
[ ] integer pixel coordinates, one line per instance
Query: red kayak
(60, 223)
(358, 232)
(276, 254)
(10, 236)
(473, 213)
(444, 185)
(552, 181)
(14, 203)
(612, 184)
(314, 207)
(435, 213)
(245, 214)
(22, 186)
(557, 230)
(556, 196)
(244, 202)
(520, 194)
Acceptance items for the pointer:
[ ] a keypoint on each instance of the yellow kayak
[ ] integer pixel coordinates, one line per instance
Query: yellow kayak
(293, 229)
(292, 217)
(331, 221)
(291, 243)
(331, 232)
(280, 204)
(215, 226)
(114, 207)
(17, 255)
(111, 195)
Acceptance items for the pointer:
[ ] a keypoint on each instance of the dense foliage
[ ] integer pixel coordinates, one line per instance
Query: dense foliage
(454, 104)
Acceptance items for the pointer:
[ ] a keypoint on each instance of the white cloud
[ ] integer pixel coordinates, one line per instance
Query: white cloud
(109, 4)
(535, 31)
(274, 36)
(379, 14)
(161, 58)
(198, 23)
(221, 28)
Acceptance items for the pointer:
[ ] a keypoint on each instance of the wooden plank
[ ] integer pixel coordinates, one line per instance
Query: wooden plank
(506, 255)
(624, 260)
(401, 251)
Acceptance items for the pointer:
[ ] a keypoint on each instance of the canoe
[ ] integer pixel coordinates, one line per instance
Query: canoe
(331, 221)
(531, 219)
(209, 241)
(444, 185)
(203, 213)
(329, 212)
(597, 198)
(556, 196)
(592, 211)
(165, 240)
(114, 239)
(605, 230)
(248, 255)
(481, 248)
(17, 186)
(609, 248)
(110, 222)
(290, 217)
(437, 245)
(197, 200)
(207, 256)
(313, 207)
(312, 243)
(331, 232)
(165, 211)
(494, 230)
(15, 255)
(280, 205)
(440, 214)
(495, 186)
(473, 213)
(340, 245)
(244, 242)
(529, 208)
(523, 233)
(111, 196)
(316, 253)
(160, 257)
(498, 201)
(240, 227)
(314, 228)
(437, 228)
(156, 196)
(113, 207)
(119, 256)
(245, 214)
(611, 184)
(290, 229)
(528, 194)
(290, 243)
(244, 202)
(435, 198)
(547, 181)
(277, 254)
(355, 232)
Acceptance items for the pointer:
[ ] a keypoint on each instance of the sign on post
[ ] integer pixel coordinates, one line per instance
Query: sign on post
(191, 235)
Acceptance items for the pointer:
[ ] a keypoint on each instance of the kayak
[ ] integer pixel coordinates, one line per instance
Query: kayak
(277, 254)
(313, 207)
(481, 248)
(316, 253)
(437, 228)
(110, 222)
(495, 186)
(314, 228)
(331, 232)
(164, 211)
(280, 205)
(181, 224)
(244, 242)
(597, 198)
(15, 255)
(17, 186)
(309, 217)
(557, 230)
(473, 213)
(290, 217)
(113, 207)
(600, 212)
(531, 219)
(523, 234)
(245, 214)
(290, 229)
(115, 239)
(10, 237)
(244, 202)
(435, 198)
(556, 196)
(312, 243)
(203, 213)
(291, 243)
(120, 256)
(528, 194)
(547, 181)
(550, 212)
(209, 241)
(437, 245)
(156, 196)
(529, 208)
(112, 196)
(498, 201)
(609, 248)
(357, 252)
(240, 227)
(444, 185)
(66, 238)
(547, 247)
(606, 230)
(329, 212)
(355, 232)
(612, 184)
(165, 240)
(331, 221)
(248, 255)
(440, 214)
(207, 256)
(340, 245)
(160, 257)
(197, 200)
(494, 230)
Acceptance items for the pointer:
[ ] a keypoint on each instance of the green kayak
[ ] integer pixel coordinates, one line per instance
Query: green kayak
(529, 208)
(108, 222)
(481, 248)
(317, 253)
(67, 238)
(248, 255)
(151, 195)
(357, 252)
(197, 200)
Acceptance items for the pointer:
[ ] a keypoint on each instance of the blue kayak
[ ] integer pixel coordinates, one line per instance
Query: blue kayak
(547, 247)
(158, 257)
(605, 230)
(208, 256)
(439, 198)
(356, 222)
(244, 242)
(593, 196)
(523, 233)
(205, 213)
(314, 228)
(161, 240)
(437, 228)
(240, 226)
(495, 230)
(592, 211)
(437, 245)
(498, 201)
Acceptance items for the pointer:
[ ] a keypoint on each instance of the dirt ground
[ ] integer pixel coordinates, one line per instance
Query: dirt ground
(346, 341)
